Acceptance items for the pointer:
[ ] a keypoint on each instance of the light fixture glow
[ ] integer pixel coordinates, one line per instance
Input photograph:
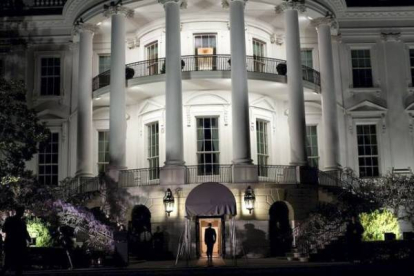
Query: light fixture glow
(249, 199)
(98, 24)
(168, 202)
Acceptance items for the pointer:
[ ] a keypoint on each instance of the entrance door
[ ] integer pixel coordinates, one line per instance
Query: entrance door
(216, 225)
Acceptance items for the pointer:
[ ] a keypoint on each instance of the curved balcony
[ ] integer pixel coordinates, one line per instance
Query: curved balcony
(210, 63)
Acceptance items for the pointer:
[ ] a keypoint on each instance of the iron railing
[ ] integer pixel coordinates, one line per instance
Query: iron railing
(80, 185)
(139, 177)
(218, 173)
(31, 7)
(278, 174)
(154, 67)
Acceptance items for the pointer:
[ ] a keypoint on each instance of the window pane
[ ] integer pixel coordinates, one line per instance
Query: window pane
(207, 145)
(367, 151)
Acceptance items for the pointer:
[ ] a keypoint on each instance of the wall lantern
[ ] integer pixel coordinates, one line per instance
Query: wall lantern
(168, 202)
(249, 199)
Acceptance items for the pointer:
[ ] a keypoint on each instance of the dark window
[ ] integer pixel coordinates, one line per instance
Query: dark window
(312, 146)
(104, 63)
(208, 151)
(412, 66)
(153, 150)
(49, 161)
(50, 77)
(367, 150)
(103, 150)
(307, 62)
(262, 146)
(361, 68)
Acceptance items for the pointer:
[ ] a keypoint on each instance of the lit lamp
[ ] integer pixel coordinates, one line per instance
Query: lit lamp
(168, 202)
(249, 199)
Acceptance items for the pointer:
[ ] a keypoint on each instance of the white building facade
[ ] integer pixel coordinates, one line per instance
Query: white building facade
(173, 94)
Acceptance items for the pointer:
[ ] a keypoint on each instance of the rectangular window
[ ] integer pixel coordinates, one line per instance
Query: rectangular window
(153, 151)
(208, 152)
(262, 146)
(412, 66)
(259, 48)
(312, 146)
(103, 150)
(50, 76)
(367, 150)
(205, 45)
(152, 57)
(307, 62)
(361, 68)
(49, 160)
(104, 63)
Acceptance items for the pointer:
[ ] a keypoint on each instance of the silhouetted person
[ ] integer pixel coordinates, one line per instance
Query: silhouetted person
(145, 243)
(67, 244)
(158, 242)
(354, 233)
(210, 238)
(15, 244)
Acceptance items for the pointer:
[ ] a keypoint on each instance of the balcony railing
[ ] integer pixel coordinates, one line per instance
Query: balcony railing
(80, 185)
(278, 174)
(199, 174)
(207, 63)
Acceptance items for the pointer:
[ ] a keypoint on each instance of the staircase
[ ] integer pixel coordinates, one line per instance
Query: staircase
(323, 238)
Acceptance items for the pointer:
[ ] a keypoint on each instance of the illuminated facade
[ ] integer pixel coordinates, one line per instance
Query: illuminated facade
(171, 94)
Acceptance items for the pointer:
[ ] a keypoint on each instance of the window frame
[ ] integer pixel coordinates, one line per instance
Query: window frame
(358, 156)
(105, 164)
(59, 156)
(317, 157)
(37, 81)
(99, 62)
(153, 171)
(263, 171)
(370, 68)
(212, 164)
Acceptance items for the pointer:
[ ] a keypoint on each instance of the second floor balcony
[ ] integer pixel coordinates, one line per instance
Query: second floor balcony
(260, 67)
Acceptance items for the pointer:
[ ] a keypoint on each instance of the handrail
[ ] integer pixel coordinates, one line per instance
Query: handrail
(193, 63)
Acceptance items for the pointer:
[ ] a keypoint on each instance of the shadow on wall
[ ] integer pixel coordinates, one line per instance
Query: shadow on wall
(253, 241)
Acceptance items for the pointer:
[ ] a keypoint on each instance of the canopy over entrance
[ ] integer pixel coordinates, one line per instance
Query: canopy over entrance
(210, 199)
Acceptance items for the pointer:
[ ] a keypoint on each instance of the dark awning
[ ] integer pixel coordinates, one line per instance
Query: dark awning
(210, 199)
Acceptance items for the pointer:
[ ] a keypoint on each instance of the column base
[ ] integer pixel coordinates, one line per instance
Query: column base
(173, 175)
(245, 173)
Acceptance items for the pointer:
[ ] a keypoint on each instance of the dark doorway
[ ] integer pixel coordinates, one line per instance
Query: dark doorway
(280, 232)
(140, 237)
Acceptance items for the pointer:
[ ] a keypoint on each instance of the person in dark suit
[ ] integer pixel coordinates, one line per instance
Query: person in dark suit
(15, 244)
(210, 238)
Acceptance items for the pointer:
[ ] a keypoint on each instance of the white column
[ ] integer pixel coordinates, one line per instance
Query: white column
(174, 171)
(84, 165)
(243, 169)
(297, 124)
(117, 107)
(239, 92)
(173, 88)
(329, 104)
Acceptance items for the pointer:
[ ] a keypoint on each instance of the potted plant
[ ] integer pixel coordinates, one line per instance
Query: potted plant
(163, 70)
(281, 69)
(129, 73)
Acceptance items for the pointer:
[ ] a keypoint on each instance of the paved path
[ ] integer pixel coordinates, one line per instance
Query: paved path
(260, 267)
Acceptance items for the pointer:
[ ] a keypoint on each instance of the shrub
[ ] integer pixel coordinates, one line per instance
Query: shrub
(377, 223)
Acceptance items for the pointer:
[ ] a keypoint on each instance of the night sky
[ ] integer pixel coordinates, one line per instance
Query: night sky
(379, 3)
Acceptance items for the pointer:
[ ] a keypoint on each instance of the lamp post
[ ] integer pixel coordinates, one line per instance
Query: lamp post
(168, 202)
(249, 199)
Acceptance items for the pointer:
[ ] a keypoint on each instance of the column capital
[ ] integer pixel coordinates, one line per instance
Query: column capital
(298, 5)
(329, 20)
(80, 27)
(163, 2)
(113, 8)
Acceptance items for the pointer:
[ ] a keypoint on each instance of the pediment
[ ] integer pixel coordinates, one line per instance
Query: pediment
(49, 114)
(367, 106)
(150, 106)
(263, 103)
(207, 99)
